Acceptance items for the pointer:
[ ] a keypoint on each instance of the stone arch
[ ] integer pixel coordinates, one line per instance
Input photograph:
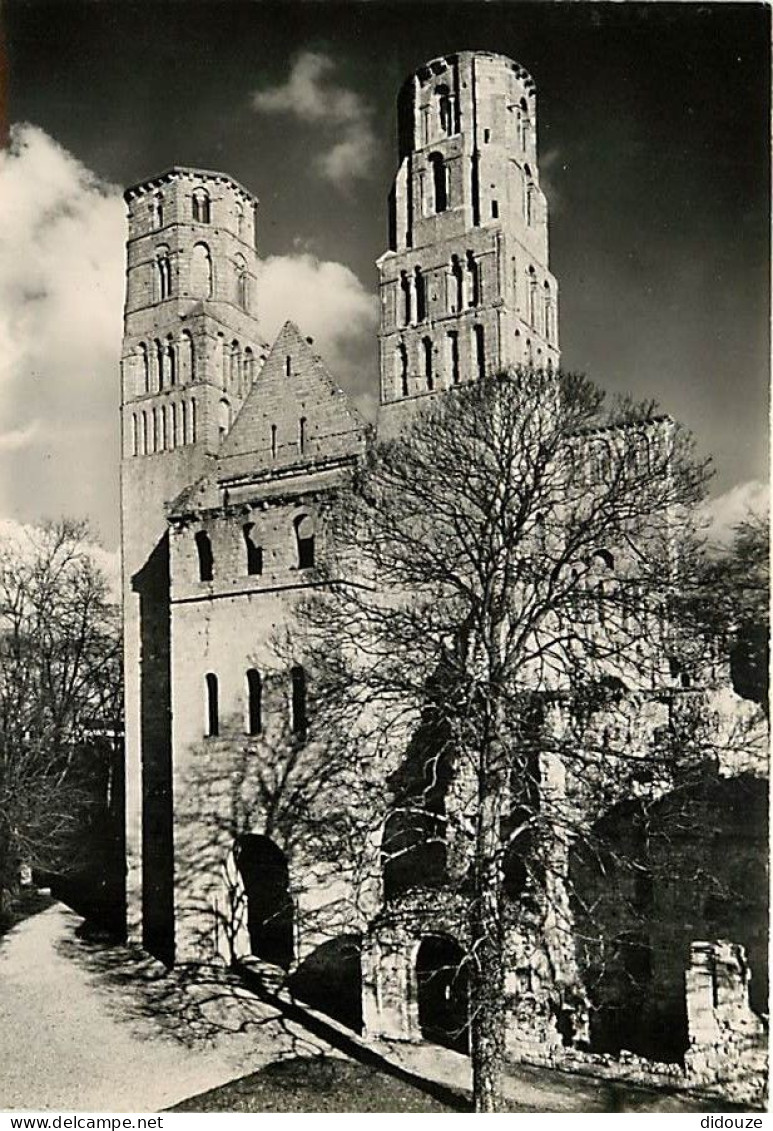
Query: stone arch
(264, 875)
(201, 271)
(442, 992)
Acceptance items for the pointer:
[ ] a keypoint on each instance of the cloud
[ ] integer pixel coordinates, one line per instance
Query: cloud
(330, 304)
(308, 96)
(723, 514)
(61, 290)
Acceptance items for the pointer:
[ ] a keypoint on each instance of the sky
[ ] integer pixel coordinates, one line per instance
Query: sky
(653, 133)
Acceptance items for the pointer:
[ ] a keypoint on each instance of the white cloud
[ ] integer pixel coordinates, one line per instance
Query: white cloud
(328, 302)
(61, 290)
(310, 97)
(722, 514)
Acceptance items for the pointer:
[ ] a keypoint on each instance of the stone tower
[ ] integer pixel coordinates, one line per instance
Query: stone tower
(191, 351)
(465, 285)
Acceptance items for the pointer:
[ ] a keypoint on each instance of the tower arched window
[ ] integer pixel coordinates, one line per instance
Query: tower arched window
(144, 437)
(302, 435)
(549, 329)
(532, 299)
(304, 541)
(242, 282)
(160, 356)
(174, 436)
(204, 552)
(201, 271)
(274, 444)
(162, 436)
(298, 717)
(240, 219)
(156, 208)
(480, 350)
(194, 421)
(457, 285)
(183, 423)
(171, 362)
(529, 199)
(420, 287)
(234, 364)
(253, 550)
(407, 305)
(200, 206)
(255, 226)
(144, 366)
(254, 702)
(426, 345)
(439, 181)
(187, 359)
(445, 110)
(473, 275)
(163, 274)
(402, 367)
(212, 705)
(453, 350)
(248, 368)
(223, 418)
(135, 438)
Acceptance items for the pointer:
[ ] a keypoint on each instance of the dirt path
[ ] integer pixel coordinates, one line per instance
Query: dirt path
(89, 1028)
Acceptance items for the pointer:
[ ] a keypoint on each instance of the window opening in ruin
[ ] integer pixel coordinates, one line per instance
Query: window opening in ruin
(240, 219)
(428, 375)
(145, 448)
(421, 295)
(480, 350)
(254, 551)
(201, 206)
(302, 435)
(135, 436)
(439, 181)
(494, 209)
(486, 136)
(304, 538)
(445, 110)
(201, 271)
(254, 702)
(453, 346)
(298, 720)
(402, 359)
(164, 274)
(193, 420)
(473, 272)
(223, 418)
(213, 712)
(288, 365)
(273, 441)
(457, 294)
(204, 551)
(157, 212)
(265, 874)
(443, 994)
(171, 360)
(145, 366)
(405, 287)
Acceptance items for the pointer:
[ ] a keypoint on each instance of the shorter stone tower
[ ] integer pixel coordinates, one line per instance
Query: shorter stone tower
(465, 284)
(191, 352)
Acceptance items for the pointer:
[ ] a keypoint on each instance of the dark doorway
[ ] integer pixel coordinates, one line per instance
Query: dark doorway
(263, 869)
(443, 993)
(330, 980)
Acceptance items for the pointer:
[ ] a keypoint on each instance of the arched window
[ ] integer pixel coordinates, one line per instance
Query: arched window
(204, 551)
(298, 720)
(254, 551)
(439, 181)
(248, 367)
(473, 273)
(183, 422)
(163, 274)
(421, 294)
(223, 418)
(548, 314)
(160, 355)
(135, 440)
(171, 362)
(426, 345)
(201, 271)
(457, 285)
(194, 422)
(234, 365)
(174, 438)
(302, 435)
(187, 359)
(255, 226)
(200, 206)
(453, 351)
(273, 441)
(144, 366)
(529, 197)
(242, 283)
(254, 702)
(213, 709)
(480, 350)
(240, 219)
(532, 299)
(162, 436)
(405, 287)
(402, 367)
(156, 208)
(144, 435)
(445, 108)
(304, 540)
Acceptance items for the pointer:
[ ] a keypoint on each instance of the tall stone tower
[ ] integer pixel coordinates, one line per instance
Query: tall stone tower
(465, 285)
(191, 351)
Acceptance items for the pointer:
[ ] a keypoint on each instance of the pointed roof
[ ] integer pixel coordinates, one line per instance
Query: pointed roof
(294, 413)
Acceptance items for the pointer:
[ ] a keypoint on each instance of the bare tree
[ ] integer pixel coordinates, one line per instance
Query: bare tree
(500, 582)
(60, 685)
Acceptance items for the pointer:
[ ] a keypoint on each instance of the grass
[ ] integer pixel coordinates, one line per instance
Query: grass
(316, 1084)
(25, 903)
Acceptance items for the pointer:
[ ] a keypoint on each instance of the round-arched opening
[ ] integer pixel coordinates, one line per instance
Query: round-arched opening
(264, 872)
(443, 994)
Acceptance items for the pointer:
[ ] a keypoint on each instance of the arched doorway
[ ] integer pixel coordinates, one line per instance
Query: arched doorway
(264, 872)
(443, 995)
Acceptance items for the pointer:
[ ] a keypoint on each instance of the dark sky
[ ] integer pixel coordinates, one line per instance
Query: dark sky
(653, 125)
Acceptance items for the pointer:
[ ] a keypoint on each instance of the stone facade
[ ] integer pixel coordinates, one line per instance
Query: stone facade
(232, 451)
